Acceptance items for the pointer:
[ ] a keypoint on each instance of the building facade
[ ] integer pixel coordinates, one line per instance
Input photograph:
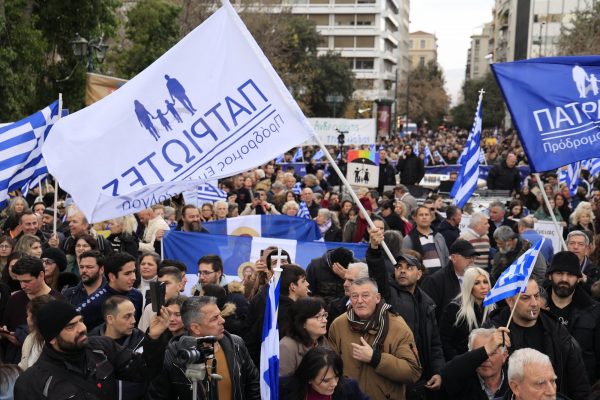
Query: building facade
(422, 48)
(480, 52)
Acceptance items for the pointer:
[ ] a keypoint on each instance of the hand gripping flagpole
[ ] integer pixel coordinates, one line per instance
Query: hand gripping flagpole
(60, 107)
(550, 210)
(353, 195)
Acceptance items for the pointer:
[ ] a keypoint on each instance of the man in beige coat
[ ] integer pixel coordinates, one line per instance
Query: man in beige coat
(377, 346)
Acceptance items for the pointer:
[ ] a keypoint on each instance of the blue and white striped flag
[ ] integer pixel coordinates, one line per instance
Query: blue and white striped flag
(416, 149)
(210, 192)
(438, 154)
(269, 349)
(569, 175)
(297, 189)
(481, 155)
(280, 159)
(303, 211)
(21, 162)
(595, 167)
(427, 154)
(319, 155)
(298, 156)
(466, 183)
(514, 279)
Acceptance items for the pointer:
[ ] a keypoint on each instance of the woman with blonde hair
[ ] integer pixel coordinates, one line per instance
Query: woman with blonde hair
(290, 209)
(582, 218)
(122, 236)
(465, 313)
(30, 245)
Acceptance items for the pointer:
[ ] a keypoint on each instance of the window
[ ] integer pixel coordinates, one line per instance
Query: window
(365, 20)
(343, 41)
(344, 20)
(364, 63)
(319, 19)
(422, 43)
(364, 84)
(365, 42)
(422, 61)
(411, 44)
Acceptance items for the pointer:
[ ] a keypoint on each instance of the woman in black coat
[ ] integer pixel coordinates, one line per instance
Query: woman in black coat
(465, 313)
(328, 226)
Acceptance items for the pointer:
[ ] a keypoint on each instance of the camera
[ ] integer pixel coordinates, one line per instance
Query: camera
(192, 350)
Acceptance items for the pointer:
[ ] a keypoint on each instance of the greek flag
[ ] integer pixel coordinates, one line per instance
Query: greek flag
(514, 279)
(303, 211)
(427, 153)
(592, 165)
(297, 188)
(280, 159)
(210, 192)
(319, 155)
(569, 175)
(298, 156)
(21, 162)
(269, 349)
(416, 149)
(438, 154)
(466, 183)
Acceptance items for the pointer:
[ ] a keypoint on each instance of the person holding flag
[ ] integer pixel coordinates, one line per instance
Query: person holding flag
(532, 326)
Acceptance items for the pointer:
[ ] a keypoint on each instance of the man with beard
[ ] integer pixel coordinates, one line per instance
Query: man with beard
(91, 272)
(77, 367)
(190, 220)
(575, 309)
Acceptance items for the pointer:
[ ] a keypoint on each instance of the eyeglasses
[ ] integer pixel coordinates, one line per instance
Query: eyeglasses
(206, 273)
(48, 261)
(5, 246)
(321, 317)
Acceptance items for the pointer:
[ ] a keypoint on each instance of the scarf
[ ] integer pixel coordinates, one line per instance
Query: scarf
(325, 227)
(377, 325)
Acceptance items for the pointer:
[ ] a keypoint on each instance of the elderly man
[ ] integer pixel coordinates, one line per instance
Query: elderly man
(531, 376)
(510, 247)
(505, 175)
(339, 306)
(479, 374)
(154, 230)
(400, 290)
(79, 225)
(498, 218)
(377, 347)
(402, 194)
(578, 242)
(477, 234)
(534, 327)
(307, 195)
(221, 209)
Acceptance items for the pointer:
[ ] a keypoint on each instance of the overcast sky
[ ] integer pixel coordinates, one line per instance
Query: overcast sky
(453, 22)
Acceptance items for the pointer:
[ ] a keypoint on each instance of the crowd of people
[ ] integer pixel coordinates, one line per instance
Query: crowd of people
(78, 319)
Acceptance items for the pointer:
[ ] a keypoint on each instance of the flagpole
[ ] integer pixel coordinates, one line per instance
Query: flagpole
(512, 312)
(346, 184)
(60, 107)
(550, 209)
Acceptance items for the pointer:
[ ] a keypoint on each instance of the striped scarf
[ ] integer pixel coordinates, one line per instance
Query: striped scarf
(377, 325)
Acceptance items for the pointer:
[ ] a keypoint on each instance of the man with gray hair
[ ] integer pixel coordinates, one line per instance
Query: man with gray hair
(202, 318)
(510, 247)
(479, 373)
(531, 376)
(526, 229)
(497, 211)
(402, 194)
(340, 305)
(477, 234)
(578, 242)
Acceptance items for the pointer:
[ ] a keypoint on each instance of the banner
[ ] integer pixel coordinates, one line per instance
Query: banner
(554, 104)
(211, 107)
(273, 226)
(99, 86)
(234, 250)
(356, 131)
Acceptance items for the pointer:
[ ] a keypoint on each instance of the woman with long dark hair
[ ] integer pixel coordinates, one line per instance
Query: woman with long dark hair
(320, 376)
(306, 328)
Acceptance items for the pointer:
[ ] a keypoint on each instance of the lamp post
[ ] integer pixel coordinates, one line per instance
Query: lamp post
(88, 51)
(334, 99)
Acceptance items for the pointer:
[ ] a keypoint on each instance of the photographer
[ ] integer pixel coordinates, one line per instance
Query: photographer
(202, 317)
(259, 205)
(77, 367)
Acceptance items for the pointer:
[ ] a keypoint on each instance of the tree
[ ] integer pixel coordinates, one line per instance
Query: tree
(152, 29)
(332, 76)
(492, 105)
(428, 100)
(581, 36)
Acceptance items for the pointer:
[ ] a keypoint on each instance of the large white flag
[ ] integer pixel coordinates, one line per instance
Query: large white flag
(210, 107)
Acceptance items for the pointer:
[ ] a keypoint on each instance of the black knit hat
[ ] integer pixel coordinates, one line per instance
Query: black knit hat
(53, 317)
(565, 261)
(57, 255)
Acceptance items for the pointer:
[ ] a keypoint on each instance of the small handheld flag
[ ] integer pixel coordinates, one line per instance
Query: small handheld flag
(303, 211)
(298, 156)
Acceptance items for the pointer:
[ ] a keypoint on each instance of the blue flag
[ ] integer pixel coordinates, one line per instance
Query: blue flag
(273, 226)
(21, 162)
(553, 102)
(299, 156)
(303, 211)
(466, 182)
(569, 175)
(269, 348)
(427, 154)
(318, 155)
(280, 159)
(514, 279)
(439, 155)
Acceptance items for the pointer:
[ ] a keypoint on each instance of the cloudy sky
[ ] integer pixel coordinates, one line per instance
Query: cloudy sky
(453, 22)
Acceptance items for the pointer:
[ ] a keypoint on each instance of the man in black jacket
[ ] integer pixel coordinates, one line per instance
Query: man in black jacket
(410, 167)
(415, 306)
(73, 366)
(480, 373)
(498, 218)
(448, 228)
(536, 328)
(201, 317)
(505, 175)
(575, 309)
(326, 273)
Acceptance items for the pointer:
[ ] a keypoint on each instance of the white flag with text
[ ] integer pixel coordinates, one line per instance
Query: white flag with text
(210, 107)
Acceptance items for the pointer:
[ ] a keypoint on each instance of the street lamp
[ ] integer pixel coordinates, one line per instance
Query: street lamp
(334, 99)
(88, 51)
